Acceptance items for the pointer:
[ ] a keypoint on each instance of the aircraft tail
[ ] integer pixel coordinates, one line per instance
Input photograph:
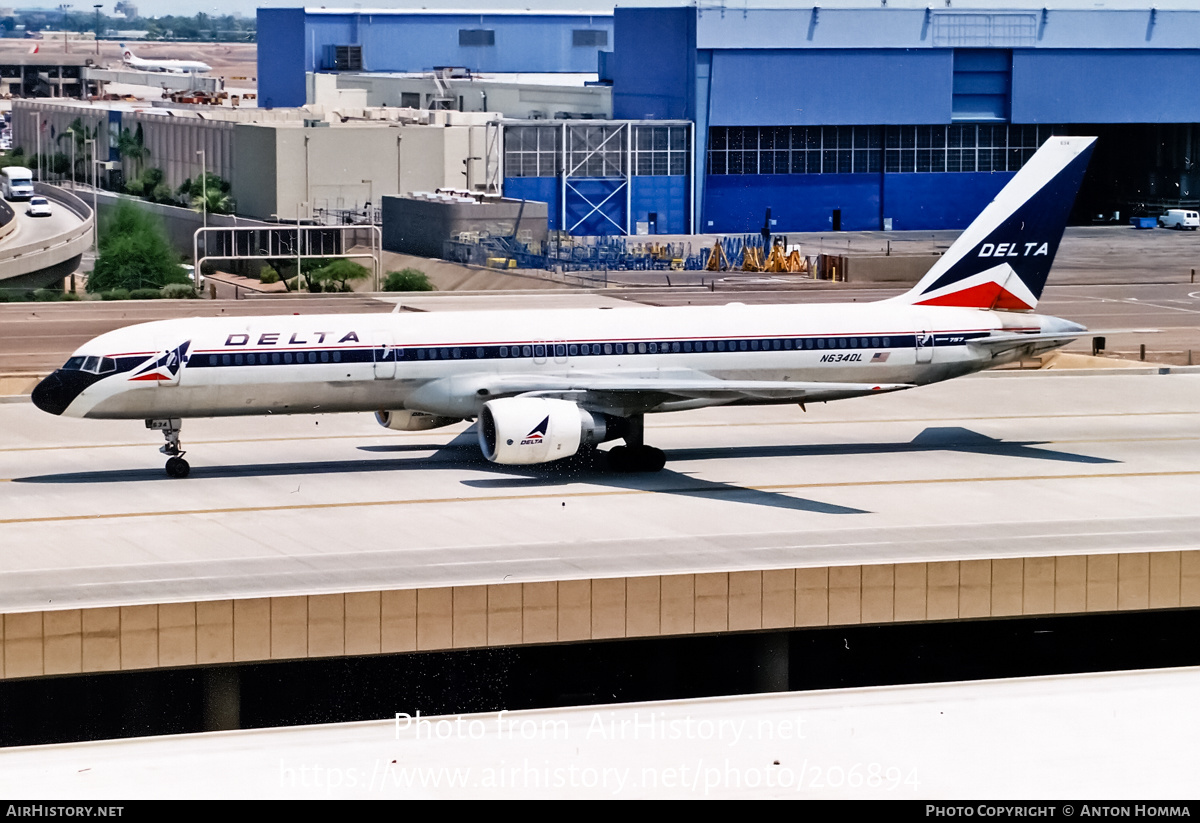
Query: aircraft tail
(1002, 259)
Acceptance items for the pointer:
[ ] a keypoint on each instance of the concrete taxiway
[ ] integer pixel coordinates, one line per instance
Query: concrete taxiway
(993, 466)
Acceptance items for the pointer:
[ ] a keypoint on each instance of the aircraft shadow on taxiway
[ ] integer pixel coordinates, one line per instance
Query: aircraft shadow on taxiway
(463, 452)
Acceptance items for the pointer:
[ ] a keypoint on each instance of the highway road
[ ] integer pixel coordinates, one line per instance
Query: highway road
(34, 229)
(1001, 465)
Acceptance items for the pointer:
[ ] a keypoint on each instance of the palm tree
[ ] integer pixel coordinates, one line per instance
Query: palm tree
(132, 144)
(82, 135)
(218, 202)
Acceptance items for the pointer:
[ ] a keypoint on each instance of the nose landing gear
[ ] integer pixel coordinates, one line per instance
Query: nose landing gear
(176, 466)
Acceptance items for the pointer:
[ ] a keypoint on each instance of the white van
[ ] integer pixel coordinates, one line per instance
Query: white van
(17, 183)
(1180, 219)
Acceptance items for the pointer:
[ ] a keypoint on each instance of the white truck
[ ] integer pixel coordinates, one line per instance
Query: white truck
(17, 182)
(1180, 219)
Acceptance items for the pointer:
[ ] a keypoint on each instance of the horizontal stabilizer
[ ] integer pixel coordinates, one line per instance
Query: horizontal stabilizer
(1000, 343)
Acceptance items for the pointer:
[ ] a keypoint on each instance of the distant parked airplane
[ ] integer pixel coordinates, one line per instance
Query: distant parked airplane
(172, 66)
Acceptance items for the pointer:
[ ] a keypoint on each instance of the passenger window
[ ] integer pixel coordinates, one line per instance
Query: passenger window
(608, 349)
(226, 359)
(527, 351)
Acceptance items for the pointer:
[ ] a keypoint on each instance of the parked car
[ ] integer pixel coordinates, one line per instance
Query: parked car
(38, 207)
(1180, 219)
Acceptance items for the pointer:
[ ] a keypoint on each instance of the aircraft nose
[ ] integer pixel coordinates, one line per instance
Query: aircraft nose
(53, 395)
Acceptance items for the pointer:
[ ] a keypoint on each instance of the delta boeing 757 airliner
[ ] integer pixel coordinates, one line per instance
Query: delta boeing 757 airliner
(545, 384)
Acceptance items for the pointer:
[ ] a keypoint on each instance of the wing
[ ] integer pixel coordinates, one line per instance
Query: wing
(631, 391)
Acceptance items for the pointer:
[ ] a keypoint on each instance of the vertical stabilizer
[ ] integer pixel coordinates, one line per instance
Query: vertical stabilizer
(1002, 259)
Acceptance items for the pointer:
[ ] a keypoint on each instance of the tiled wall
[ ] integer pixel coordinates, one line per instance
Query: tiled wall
(278, 628)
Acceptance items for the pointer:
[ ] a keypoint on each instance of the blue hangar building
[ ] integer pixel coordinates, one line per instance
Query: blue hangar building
(910, 115)
(850, 114)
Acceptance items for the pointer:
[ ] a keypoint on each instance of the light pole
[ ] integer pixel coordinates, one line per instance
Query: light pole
(91, 143)
(37, 135)
(298, 205)
(72, 133)
(371, 228)
(204, 185)
(97, 7)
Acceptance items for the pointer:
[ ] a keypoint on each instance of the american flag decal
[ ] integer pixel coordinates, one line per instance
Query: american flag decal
(880, 356)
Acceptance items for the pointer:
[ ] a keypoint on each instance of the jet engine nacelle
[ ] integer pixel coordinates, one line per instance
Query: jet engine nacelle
(519, 431)
(412, 421)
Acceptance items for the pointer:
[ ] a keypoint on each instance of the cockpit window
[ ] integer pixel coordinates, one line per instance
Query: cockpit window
(95, 365)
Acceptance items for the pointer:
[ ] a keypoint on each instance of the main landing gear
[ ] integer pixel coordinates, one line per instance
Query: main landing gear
(635, 455)
(176, 465)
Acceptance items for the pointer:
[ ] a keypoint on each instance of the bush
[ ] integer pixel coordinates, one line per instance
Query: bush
(407, 280)
(145, 294)
(115, 294)
(268, 275)
(178, 291)
(134, 253)
(336, 276)
(47, 295)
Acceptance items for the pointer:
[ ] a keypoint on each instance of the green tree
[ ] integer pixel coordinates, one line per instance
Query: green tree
(132, 144)
(81, 134)
(134, 253)
(213, 189)
(338, 275)
(144, 184)
(407, 280)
